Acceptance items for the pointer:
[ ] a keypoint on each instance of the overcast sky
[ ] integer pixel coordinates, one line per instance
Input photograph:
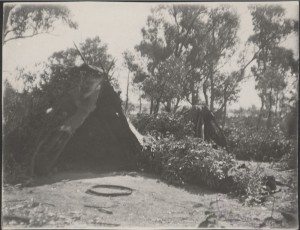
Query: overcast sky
(119, 26)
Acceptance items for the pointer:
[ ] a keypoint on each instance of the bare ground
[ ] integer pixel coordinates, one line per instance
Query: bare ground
(60, 201)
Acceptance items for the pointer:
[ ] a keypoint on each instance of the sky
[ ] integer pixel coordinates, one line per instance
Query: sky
(119, 26)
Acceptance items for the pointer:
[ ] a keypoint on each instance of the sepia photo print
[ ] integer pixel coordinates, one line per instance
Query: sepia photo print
(155, 115)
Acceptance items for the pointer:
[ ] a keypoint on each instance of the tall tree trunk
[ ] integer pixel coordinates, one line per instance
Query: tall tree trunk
(127, 89)
(140, 99)
(156, 107)
(194, 99)
(276, 104)
(151, 105)
(176, 104)
(205, 93)
(225, 110)
(193, 92)
(168, 106)
(260, 111)
(269, 121)
(212, 85)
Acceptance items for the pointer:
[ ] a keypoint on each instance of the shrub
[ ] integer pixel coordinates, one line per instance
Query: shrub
(257, 144)
(290, 159)
(193, 161)
(189, 160)
(249, 183)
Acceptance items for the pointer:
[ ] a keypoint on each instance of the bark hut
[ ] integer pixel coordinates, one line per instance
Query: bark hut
(206, 126)
(94, 130)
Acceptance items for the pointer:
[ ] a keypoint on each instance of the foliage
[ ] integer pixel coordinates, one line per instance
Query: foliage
(194, 161)
(183, 47)
(189, 160)
(250, 143)
(28, 20)
(290, 158)
(250, 184)
(274, 63)
(269, 24)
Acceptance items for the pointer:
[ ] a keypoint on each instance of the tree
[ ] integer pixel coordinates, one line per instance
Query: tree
(186, 18)
(155, 50)
(184, 46)
(132, 67)
(223, 24)
(186, 29)
(28, 20)
(226, 91)
(206, 37)
(270, 28)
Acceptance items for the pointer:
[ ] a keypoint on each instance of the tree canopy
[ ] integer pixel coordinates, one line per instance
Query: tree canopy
(28, 20)
(274, 63)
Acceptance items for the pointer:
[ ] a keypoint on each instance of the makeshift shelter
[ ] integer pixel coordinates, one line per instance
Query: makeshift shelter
(206, 126)
(89, 125)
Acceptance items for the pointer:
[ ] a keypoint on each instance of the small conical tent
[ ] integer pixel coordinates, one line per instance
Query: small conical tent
(206, 126)
(91, 125)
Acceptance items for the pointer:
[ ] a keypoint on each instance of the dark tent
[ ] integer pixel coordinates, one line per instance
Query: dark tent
(91, 126)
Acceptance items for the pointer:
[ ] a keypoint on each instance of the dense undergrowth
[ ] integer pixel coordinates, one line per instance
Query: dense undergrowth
(180, 158)
(193, 161)
(189, 160)
(245, 141)
(258, 144)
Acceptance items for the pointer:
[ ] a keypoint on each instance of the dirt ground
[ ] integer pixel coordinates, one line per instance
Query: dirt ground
(60, 201)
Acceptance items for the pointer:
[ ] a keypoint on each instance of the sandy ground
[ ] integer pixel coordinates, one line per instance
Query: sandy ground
(61, 199)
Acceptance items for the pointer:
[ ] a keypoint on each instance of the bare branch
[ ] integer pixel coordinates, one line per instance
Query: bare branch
(254, 57)
(82, 57)
(111, 65)
(102, 67)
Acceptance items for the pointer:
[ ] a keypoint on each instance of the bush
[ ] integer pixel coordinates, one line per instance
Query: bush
(290, 159)
(189, 160)
(249, 143)
(250, 183)
(193, 161)
(163, 125)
